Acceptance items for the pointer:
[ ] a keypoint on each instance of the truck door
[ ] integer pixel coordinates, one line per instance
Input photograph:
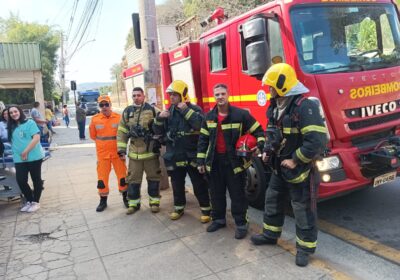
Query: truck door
(259, 43)
(215, 54)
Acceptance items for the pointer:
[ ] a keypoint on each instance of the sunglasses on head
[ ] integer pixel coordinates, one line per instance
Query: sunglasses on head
(104, 105)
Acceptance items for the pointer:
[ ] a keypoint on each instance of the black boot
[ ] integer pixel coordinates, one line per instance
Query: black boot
(215, 226)
(261, 239)
(125, 199)
(301, 258)
(240, 233)
(102, 205)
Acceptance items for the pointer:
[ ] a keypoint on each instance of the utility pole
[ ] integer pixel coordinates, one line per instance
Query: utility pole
(151, 58)
(62, 70)
(151, 65)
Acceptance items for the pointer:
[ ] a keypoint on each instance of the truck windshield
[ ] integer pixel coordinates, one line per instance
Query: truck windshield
(346, 38)
(89, 98)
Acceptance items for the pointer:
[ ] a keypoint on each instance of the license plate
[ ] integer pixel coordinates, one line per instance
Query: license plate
(385, 178)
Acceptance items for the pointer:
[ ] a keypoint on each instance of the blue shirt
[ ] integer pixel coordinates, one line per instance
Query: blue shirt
(21, 137)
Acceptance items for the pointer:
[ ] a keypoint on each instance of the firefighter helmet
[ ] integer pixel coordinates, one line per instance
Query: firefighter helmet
(245, 145)
(281, 77)
(104, 98)
(181, 88)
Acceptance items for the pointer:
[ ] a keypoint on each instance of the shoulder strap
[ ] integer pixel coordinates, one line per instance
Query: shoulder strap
(126, 113)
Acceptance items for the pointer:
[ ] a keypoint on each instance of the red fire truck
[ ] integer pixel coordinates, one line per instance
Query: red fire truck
(347, 52)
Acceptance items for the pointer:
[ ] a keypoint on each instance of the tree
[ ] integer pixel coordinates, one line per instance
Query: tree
(129, 39)
(170, 12)
(105, 90)
(204, 8)
(116, 75)
(14, 30)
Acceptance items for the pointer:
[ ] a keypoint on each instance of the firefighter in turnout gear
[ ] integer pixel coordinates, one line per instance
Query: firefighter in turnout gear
(103, 130)
(296, 136)
(180, 127)
(220, 131)
(135, 129)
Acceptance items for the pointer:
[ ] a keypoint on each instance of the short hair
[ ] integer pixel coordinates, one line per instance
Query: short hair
(138, 89)
(36, 104)
(220, 85)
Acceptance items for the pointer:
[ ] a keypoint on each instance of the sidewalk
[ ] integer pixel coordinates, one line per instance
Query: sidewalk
(67, 239)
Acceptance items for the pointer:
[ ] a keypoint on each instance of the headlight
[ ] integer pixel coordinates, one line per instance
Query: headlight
(329, 163)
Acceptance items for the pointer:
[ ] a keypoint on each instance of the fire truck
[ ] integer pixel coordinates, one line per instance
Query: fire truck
(347, 52)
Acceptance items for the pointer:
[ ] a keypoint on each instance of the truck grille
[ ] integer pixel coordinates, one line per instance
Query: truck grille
(374, 121)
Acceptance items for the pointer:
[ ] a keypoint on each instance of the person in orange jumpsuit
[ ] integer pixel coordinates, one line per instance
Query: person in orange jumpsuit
(103, 130)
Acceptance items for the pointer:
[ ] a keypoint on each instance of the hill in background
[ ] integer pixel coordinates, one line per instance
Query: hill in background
(93, 85)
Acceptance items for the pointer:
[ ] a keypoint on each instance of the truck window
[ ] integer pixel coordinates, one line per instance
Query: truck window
(217, 53)
(275, 39)
(346, 38)
(388, 43)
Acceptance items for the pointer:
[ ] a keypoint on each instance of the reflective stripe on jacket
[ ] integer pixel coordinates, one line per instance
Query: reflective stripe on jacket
(103, 130)
(181, 131)
(136, 115)
(237, 123)
(304, 132)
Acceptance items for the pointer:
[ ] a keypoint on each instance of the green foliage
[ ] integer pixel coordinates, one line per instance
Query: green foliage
(116, 75)
(170, 12)
(367, 36)
(204, 8)
(17, 96)
(15, 30)
(105, 90)
(129, 39)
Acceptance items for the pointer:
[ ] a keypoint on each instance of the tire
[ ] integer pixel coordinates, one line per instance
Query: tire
(256, 184)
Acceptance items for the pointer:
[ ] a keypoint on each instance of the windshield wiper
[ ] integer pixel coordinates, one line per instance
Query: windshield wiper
(346, 68)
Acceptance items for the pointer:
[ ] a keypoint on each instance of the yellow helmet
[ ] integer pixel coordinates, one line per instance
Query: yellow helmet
(181, 88)
(281, 77)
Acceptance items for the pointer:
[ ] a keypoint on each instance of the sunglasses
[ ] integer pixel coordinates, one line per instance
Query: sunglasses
(136, 95)
(101, 105)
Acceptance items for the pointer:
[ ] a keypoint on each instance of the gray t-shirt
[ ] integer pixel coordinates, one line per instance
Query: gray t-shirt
(35, 114)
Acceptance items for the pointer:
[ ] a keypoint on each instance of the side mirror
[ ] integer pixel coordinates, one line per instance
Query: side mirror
(254, 35)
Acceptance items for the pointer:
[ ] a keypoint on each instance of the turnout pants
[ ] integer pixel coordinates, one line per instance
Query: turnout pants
(306, 229)
(103, 173)
(22, 169)
(134, 179)
(200, 187)
(221, 179)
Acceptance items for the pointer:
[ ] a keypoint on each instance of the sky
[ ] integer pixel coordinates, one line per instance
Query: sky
(92, 62)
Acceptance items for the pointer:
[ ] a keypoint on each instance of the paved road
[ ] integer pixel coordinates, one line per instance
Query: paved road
(372, 212)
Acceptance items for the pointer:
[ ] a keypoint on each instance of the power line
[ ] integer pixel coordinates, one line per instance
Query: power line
(71, 21)
(86, 20)
(83, 19)
(57, 16)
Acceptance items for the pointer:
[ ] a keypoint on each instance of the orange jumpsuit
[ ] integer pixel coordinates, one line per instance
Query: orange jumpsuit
(103, 130)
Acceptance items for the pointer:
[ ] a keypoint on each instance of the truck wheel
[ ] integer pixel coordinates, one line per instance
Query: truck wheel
(257, 182)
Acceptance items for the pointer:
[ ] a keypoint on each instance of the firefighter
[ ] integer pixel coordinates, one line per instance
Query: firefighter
(180, 127)
(103, 130)
(296, 135)
(219, 133)
(135, 128)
